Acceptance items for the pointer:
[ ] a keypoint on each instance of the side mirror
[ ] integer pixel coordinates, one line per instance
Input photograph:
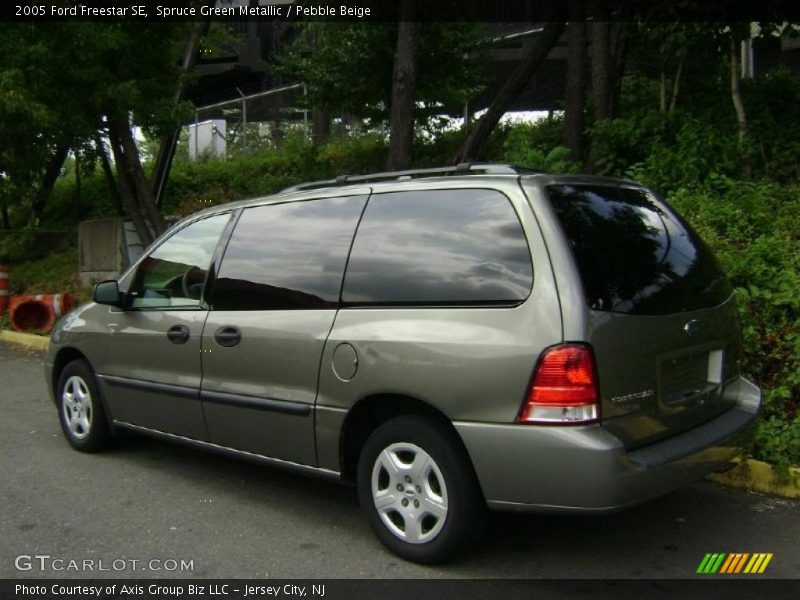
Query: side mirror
(107, 292)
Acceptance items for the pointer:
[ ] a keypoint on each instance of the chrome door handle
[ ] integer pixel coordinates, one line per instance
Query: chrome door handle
(228, 336)
(178, 334)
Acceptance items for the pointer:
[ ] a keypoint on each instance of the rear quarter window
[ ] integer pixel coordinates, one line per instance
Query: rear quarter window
(439, 248)
(634, 253)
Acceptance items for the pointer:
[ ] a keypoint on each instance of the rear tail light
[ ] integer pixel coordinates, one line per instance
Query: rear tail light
(563, 388)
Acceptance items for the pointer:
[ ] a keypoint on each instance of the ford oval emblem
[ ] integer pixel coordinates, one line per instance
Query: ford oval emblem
(692, 327)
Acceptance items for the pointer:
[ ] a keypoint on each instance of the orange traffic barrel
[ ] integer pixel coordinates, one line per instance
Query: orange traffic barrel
(3, 289)
(38, 313)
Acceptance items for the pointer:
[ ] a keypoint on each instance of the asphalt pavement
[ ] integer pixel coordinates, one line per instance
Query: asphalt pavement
(151, 501)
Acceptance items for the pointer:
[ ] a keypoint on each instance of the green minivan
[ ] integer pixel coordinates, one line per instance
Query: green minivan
(449, 340)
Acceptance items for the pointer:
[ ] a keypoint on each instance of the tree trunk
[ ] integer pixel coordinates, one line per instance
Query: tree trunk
(538, 51)
(320, 126)
(48, 181)
(738, 105)
(132, 165)
(619, 44)
(676, 85)
(600, 35)
(575, 100)
(608, 42)
(404, 87)
(662, 83)
(166, 149)
(320, 119)
(127, 195)
(6, 220)
(77, 184)
(105, 164)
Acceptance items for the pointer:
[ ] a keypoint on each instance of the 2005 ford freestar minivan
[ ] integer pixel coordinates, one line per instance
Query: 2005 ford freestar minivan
(450, 340)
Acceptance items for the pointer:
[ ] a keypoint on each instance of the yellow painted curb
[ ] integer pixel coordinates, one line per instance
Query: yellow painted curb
(760, 477)
(39, 342)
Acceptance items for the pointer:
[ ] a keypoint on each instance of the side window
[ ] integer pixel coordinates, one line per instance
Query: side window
(174, 274)
(288, 256)
(439, 247)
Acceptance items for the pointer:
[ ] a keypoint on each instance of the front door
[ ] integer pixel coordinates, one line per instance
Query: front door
(151, 374)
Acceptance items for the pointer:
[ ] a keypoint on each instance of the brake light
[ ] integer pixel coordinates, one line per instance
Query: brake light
(563, 388)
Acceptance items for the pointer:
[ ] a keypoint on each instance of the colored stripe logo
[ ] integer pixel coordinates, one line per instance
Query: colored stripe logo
(734, 563)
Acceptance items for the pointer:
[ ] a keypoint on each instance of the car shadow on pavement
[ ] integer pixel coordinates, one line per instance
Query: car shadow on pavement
(664, 538)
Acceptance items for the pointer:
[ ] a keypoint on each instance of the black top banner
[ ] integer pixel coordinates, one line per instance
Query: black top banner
(393, 10)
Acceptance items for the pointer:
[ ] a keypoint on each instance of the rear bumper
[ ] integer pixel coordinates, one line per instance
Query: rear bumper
(587, 469)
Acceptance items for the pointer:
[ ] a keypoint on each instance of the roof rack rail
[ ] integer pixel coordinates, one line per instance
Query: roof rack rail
(459, 169)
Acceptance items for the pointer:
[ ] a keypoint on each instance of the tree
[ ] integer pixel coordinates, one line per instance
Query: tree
(607, 40)
(166, 149)
(38, 122)
(404, 85)
(349, 67)
(575, 98)
(533, 58)
(64, 82)
(600, 36)
(736, 97)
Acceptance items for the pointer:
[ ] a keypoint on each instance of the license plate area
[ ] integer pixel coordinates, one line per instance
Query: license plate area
(690, 378)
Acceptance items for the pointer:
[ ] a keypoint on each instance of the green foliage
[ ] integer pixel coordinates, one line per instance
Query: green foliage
(220, 42)
(195, 185)
(772, 101)
(67, 206)
(55, 273)
(537, 146)
(362, 154)
(17, 244)
(658, 49)
(348, 67)
(754, 231)
(58, 80)
(776, 440)
(690, 147)
(665, 150)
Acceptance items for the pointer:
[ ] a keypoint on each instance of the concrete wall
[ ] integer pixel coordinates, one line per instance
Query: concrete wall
(102, 249)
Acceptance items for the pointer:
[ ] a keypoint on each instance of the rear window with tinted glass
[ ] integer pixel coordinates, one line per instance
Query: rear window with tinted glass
(634, 254)
(439, 248)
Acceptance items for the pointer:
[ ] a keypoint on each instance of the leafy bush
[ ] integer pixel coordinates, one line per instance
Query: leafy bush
(753, 228)
(538, 146)
(67, 205)
(17, 244)
(56, 273)
(361, 154)
(776, 440)
(771, 101)
(665, 151)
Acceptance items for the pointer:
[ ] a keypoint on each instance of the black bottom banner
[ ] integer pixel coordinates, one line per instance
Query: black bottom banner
(399, 589)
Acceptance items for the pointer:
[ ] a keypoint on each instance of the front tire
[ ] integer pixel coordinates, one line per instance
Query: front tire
(81, 413)
(417, 486)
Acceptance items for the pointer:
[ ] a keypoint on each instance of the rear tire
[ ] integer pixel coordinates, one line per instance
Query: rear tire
(80, 409)
(418, 488)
